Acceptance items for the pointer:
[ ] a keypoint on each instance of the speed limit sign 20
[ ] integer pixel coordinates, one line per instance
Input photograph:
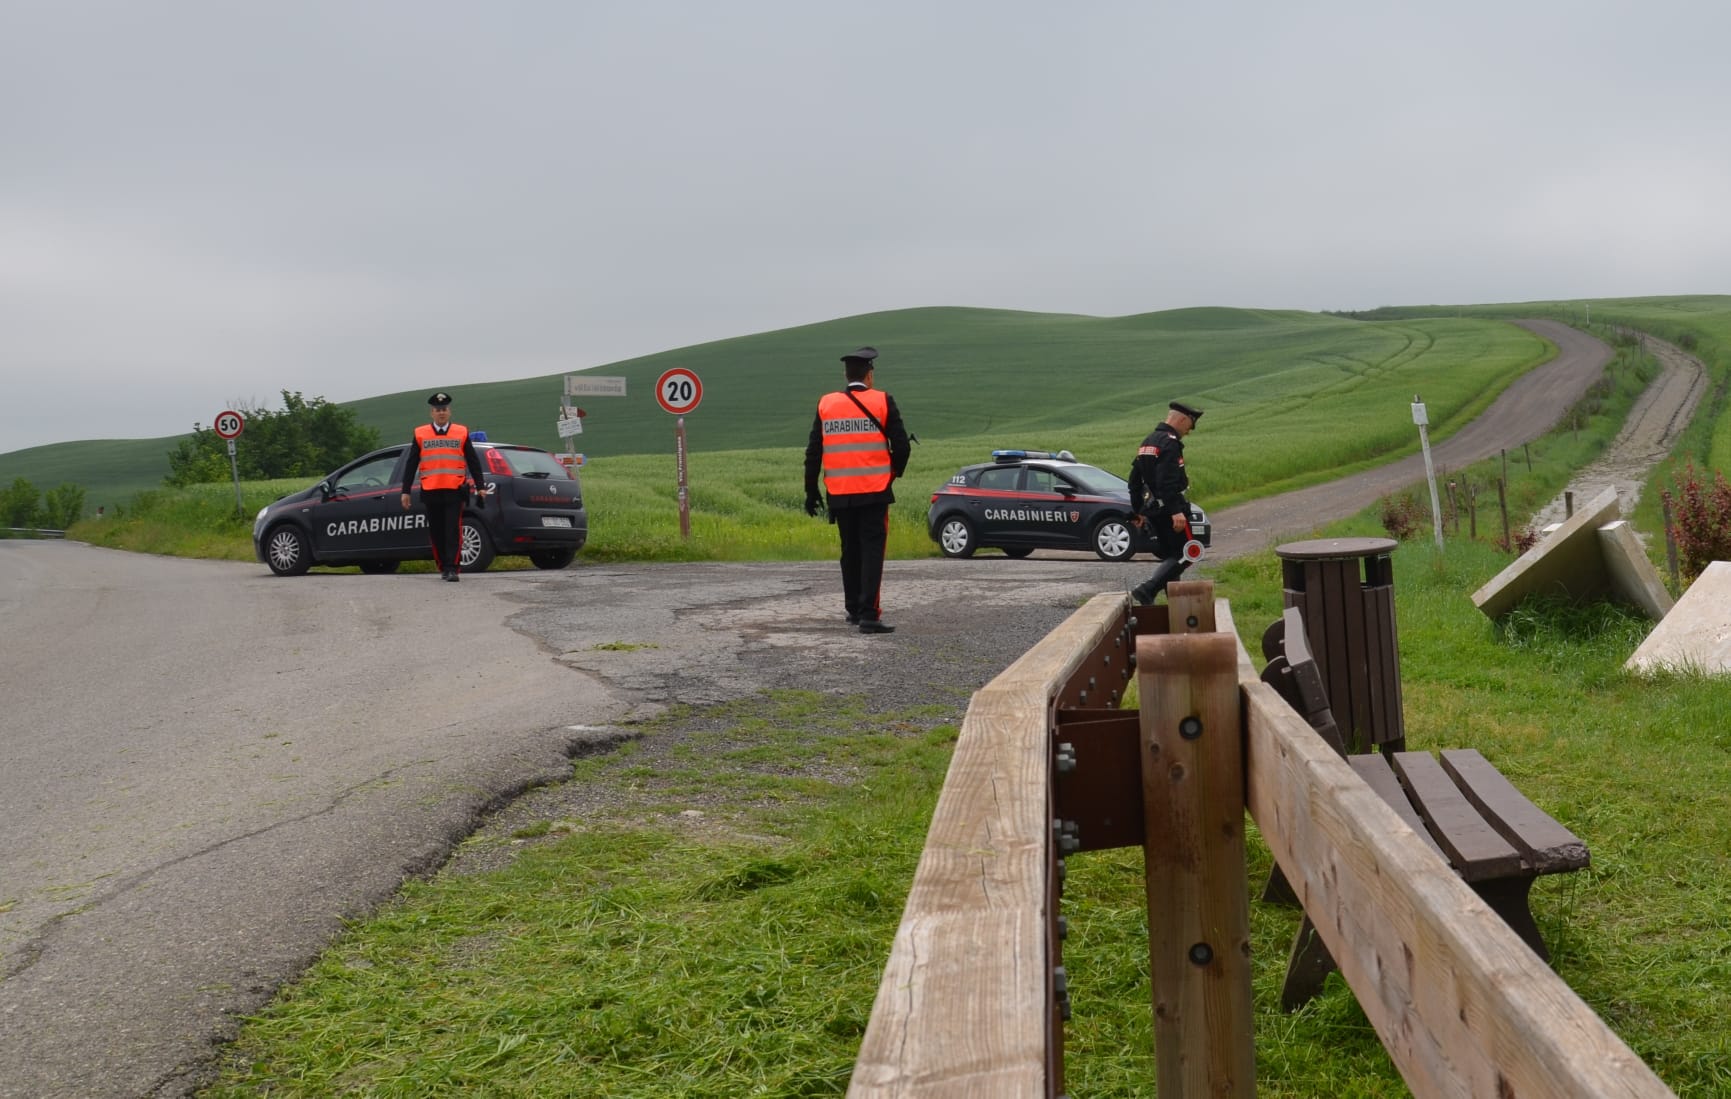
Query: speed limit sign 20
(678, 391)
(228, 424)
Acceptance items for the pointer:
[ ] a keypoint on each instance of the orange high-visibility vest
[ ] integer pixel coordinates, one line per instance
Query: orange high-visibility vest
(442, 464)
(856, 455)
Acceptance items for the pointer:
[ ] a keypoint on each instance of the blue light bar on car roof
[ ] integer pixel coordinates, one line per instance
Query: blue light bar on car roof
(1018, 455)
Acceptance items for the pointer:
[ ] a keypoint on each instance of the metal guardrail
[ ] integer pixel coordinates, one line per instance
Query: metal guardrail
(974, 995)
(34, 532)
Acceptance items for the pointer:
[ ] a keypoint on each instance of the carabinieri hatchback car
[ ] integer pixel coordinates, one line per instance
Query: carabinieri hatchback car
(1023, 500)
(529, 505)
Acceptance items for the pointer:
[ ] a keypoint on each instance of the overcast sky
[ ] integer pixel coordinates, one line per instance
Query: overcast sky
(209, 202)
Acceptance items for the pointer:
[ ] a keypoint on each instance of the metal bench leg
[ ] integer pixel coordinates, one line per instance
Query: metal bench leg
(1278, 890)
(1309, 966)
(1508, 898)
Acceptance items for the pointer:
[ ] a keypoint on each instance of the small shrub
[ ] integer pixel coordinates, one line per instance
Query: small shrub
(1401, 516)
(1700, 521)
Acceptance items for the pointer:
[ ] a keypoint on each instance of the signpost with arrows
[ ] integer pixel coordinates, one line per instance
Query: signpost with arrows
(570, 423)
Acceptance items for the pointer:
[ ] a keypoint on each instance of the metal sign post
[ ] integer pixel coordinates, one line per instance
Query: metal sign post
(679, 391)
(229, 424)
(1420, 418)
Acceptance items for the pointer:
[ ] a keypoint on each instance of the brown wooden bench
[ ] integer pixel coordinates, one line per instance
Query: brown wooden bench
(1489, 832)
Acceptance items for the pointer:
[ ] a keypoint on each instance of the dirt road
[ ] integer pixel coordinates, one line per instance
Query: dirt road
(1524, 411)
(1648, 436)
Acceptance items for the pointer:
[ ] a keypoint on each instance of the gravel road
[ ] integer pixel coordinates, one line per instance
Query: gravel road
(205, 768)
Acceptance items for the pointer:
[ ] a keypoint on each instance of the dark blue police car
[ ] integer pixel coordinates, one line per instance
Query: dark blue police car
(529, 505)
(1023, 500)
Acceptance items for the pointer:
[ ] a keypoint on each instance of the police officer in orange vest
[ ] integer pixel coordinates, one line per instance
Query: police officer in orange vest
(444, 458)
(859, 446)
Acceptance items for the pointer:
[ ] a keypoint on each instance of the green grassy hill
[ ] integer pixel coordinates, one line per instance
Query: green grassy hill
(1292, 397)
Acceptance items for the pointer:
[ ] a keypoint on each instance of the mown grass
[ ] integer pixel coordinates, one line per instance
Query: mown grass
(639, 958)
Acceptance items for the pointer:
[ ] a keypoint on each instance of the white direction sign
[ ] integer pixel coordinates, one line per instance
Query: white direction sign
(570, 426)
(585, 385)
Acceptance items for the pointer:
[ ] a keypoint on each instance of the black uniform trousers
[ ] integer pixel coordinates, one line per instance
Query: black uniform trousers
(1169, 544)
(445, 524)
(864, 532)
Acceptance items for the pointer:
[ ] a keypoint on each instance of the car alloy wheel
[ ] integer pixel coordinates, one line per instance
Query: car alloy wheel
(1114, 540)
(956, 537)
(287, 552)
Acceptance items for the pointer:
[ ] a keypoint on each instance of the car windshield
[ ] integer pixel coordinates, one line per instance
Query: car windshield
(1097, 481)
(535, 463)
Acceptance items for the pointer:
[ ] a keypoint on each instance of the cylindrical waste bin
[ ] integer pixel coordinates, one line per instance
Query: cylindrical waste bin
(1344, 587)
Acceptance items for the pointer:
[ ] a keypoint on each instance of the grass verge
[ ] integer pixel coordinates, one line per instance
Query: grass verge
(717, 925)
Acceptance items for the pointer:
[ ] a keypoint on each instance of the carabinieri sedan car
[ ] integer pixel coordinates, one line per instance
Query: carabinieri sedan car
(1023, 500)
(530, 504)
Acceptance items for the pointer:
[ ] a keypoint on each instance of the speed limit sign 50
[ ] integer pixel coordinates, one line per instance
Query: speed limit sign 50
(678, 391)
(229, 424)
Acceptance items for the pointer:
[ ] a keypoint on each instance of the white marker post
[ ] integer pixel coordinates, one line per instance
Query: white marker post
(1422, 420)
(678, 391)
(229, 425)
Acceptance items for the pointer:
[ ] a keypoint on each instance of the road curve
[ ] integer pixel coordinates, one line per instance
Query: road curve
(204, 769)
(1527, 409)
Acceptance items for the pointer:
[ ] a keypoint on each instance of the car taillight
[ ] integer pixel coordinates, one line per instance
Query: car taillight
(497, 465)
(934, 497)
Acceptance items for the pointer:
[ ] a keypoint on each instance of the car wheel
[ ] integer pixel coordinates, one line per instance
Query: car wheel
(287, 552)
(476, 551)
(1018, 552)
(956, 537)
(1114, 540)
(379, 568)
(553, 559)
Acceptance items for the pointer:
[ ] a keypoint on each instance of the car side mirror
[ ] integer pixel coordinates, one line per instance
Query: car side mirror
(1066, 488)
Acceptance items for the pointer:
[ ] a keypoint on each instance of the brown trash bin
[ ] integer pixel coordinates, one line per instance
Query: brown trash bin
(1344, 587)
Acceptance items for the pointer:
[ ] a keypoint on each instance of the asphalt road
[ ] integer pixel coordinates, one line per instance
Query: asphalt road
(205, 768)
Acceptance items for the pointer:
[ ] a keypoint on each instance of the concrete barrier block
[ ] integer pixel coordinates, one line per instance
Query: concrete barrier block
(1696, 634)
(1569, 562)
(1633, 577)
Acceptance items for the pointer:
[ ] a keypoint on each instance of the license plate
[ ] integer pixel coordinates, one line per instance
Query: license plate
(555, 521)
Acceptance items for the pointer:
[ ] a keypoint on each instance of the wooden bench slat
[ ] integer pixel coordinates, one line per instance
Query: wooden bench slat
(1474, 848)
(1374, 769)
(1548, 846)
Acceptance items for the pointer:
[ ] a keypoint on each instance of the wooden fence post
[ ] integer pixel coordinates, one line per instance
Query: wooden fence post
(1198, 894)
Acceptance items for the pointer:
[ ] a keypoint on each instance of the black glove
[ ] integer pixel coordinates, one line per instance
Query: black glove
(814, 505)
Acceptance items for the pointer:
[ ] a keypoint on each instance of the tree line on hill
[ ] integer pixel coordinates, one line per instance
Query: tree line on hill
(25, 507)
(306, 438)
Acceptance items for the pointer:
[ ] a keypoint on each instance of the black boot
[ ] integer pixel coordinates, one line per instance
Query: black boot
(1164, 573)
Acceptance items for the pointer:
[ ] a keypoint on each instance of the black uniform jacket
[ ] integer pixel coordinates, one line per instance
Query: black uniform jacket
(1157, 478)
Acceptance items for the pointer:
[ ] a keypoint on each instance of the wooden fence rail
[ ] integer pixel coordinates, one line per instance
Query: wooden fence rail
(972, 999)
